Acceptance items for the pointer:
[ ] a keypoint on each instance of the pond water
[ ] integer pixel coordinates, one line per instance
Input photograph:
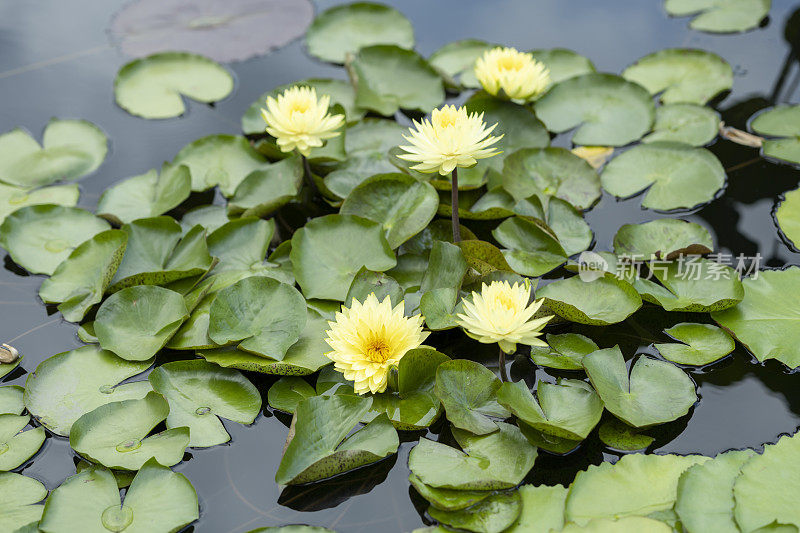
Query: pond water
(56, 60)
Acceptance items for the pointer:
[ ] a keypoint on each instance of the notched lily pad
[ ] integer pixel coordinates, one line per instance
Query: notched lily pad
(491, 515)
(697, 285)
(664, 238)
(532, 249)
(689, 123)
(782, 125)
(468, 391)
(16, 444)
(714, 16)
(564, 351)
(704, 344)
(603, 301)
(263, 192)
(18, 509)
(224, 160)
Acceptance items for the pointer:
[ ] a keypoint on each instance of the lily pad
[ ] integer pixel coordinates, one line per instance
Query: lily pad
(717, 16)
(542, 509)
(224, 160)
(18, 509)
(16, 445)
(491, 515)
(787, 215)
(60, 390)
(400, 203)
(656, 391)
(263, 192)
(328, 252)
(782, 125)
(242, 245)
(698, 286)
(198, 392)
(11, 400)
(603, 301)
(70, 150)
(39, 237)
(573, 232)
(210, 217)
(13, 198)
(562, 63)
(158, 499)
(618, 435)
(321, 447)
(391, 78)
(676, 175)
(765, 319)
(367, 282)
(448, 499)
(682, 75)
(664, 238)
(287, 392)
(531, 247)
(468, 391)
(606, 109)
(146, 195)
(154, 86)
(564, 351)
(457, 60)
(640, 524)
(688, 123)
(116, 434)
(137, 322)
(704, 344)
(569, 409)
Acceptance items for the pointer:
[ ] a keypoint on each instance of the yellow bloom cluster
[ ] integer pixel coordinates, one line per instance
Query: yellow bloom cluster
(517, 74)
(298, 120)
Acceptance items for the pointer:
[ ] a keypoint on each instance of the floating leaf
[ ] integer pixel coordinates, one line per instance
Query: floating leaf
(676, 175)
(241, 245)
(448, 499)
(158, 499)
(491, 515)
(656, 392)
(39, 237)
(116, 434)
(542, 509)
(688, 123)
(18, 511)
(532, 249)
(766, 319)
(720, 17)
(618, 435)
(683, 74)
(11, 400)
(697, 286)
(146, 195)
(562, 63)
(783, 124)
(704, 344)
(70, 150)
(154, 86)
(606, 109)
(137, 322)
(787, 215)
(319, 448)
(573, 232)
(263, 192)
(224, 160)
(287, 392)
(563, 352)
(457, 60)
(16, 445)
(367, 282)
(628, 523)
(441, 282)
(13, 198)
(468, 391)
(198, 392)
(210, 217)
(603, 301)
(664, 238)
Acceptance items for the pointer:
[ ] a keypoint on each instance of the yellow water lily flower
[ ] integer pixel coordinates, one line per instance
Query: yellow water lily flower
(299, 120)
(594, 155)
(368, 338)
(500, 313)
(521, 77)
(451, 138)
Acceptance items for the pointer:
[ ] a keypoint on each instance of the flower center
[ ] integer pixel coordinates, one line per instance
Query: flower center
(509, 63)
(377, 351)
(505, 300)
(299, 106)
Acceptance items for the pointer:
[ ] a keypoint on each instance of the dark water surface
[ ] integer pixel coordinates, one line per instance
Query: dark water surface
(56, 60)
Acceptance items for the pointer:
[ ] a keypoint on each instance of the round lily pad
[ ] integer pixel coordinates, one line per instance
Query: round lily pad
(198, 392)
(618, 435)
(704, 344)
(564, 351)
(606, 109)
(542, 508)
(448, 499)
(676, 175)
(345, 29)
(11, 400)
(13, 198)
(664, 238)
(787, 215)
(468, 391)
(603, 301)
(154, 86)
(656, 392)
(562, 63)
(70, 149)
(263, 192)
(116, 434)
(137, 322)
(224, 160)
(210, 217)
(697, 285)
(782, 124)
(531, 247)
(241, 245)
(39, 237)
(61, 389)
(457, 60)
(18, 509)
(720, 17)
(688, 123)
(16, 445)
(493, 514)
(573, 232)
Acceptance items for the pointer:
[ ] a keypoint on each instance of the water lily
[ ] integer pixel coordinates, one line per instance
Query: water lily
(521, 77)
(368, 338)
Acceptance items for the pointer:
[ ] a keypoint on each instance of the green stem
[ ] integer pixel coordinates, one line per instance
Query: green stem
(454, 206)
(502, 361)
(308, 177)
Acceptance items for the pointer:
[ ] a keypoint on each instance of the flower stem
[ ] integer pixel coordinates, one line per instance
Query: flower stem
(308, 177)
(454, 206)
(502, 361)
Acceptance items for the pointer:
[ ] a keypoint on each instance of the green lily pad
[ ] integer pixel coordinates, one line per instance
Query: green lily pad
(39, 237)
(787, 215)
(562, 63)
(287, 392)
(157, 500)
(318, 449)
(664, 238)
(606, 109)
(70, 150)
(468, 391)
(210, 217)
(81, 279)
(345, 29)
(782, 125)
(688, 123)
(717, 16)
(676, 175)
(603, 301)
(491, 515)
(542, 509)
(569, 409)
(704, 344)
(381, 285)
(328, 252)
(137, 322)
(448, 499)
(224, 160)
(11, 400)
(13, 198)
(684, 75)
(618, 435)
(656, 391)
(765, 320)
(564, 351)
(496, 461)
(546, 441)
(241, 245)
(400, 203)
(16, 445)
(391, 78)
(263, 192)
(572, 231)
(552, 171)
(146, 195)
(696, 286)
(198, 392)
(457, 60)
(531, 247)
(705, 493)
(18, 509)
(154, 86)
(61, 390)
(116, 434)
(636, 485)
(640, 524)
